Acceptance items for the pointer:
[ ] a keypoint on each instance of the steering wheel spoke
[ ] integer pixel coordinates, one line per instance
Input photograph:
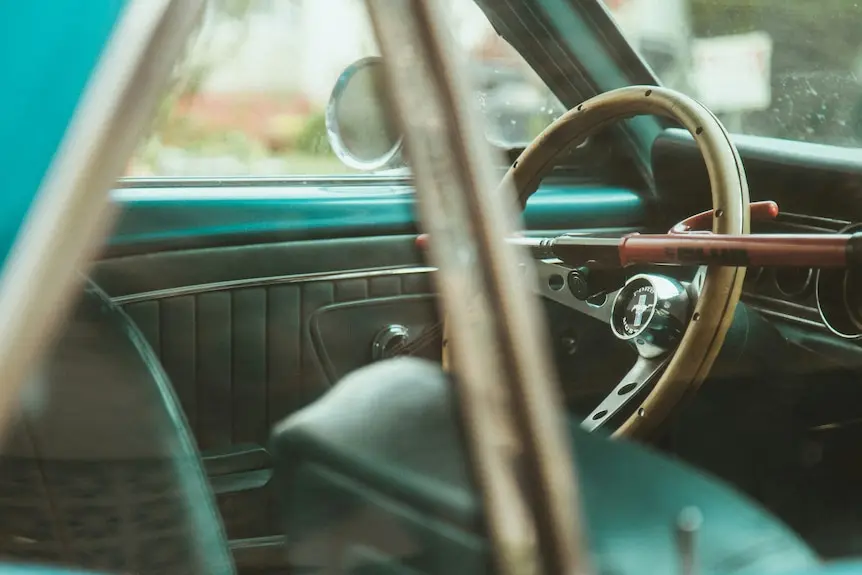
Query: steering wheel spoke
(554, 285)
(643, 372)
(651, 312)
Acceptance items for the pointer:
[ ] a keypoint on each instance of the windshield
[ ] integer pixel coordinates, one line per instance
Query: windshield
(250, 97)
(778, 68)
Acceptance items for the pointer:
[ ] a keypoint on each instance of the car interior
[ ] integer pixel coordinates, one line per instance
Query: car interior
(251, 380)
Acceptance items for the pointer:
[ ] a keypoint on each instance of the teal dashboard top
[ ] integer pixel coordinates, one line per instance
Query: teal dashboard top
(215, 213)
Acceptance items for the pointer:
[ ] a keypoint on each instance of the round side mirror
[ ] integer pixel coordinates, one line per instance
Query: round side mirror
(360, 129)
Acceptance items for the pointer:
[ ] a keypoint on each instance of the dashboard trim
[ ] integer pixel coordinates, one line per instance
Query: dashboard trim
(786, 317)
(777, 304)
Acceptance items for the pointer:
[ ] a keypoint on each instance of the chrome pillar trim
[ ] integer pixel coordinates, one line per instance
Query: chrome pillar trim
(509, 395)
(71, 215)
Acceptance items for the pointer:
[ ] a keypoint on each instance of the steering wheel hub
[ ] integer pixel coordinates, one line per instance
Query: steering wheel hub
(651, 311)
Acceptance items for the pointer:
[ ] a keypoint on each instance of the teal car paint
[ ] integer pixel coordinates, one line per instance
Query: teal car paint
(207, 214)
(48, 52)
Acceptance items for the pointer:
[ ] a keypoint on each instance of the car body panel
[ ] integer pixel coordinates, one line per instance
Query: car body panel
(40, 102)
(179, 216)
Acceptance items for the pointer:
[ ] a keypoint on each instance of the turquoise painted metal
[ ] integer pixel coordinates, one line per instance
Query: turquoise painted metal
(156, 215)
(48, 51)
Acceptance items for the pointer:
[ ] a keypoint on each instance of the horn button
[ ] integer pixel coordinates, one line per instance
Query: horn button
(651, 311)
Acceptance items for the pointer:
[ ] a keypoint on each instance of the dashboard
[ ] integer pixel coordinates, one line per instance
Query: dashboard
(818, 190)
(826, 299)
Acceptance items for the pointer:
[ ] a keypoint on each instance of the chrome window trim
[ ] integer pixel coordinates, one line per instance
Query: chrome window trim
(394, 271)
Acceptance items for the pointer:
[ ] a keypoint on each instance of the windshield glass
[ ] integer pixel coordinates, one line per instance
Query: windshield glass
(777, 68)
(251, 95)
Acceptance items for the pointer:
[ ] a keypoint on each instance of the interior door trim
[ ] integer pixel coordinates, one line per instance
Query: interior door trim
(269, 281)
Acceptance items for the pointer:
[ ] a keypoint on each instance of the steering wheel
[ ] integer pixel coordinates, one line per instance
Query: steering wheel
(677, 329)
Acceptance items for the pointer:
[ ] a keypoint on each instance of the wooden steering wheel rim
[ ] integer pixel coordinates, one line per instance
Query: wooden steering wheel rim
(722, 286)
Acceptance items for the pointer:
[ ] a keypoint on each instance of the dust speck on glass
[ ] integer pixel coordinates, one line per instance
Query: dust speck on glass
(250, 97)
(789, 69)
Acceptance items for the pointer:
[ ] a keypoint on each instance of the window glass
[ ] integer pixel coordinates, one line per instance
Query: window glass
(251, 95)
(778, 68)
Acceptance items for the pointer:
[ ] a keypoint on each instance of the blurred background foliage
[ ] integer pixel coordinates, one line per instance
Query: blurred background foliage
(190, 124)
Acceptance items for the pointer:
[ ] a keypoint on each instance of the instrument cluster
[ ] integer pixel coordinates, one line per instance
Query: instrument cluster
(839, 301)
(827, 298)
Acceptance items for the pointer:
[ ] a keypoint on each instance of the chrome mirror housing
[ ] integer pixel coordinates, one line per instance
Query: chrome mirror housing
(359, 124)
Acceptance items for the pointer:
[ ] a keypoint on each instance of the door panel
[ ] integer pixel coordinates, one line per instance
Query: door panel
(229, 317)
(223, 279)
(256, 299)
(170, 273)
(242, 358)
(343, 333)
